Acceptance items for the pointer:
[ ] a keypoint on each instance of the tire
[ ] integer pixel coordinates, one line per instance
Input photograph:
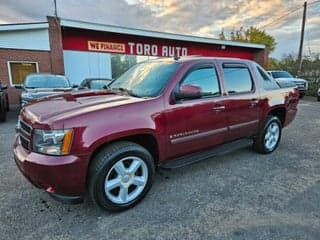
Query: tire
(3, 113)
(111, 166)
(269, 136)
(318, 98)
(7, 103)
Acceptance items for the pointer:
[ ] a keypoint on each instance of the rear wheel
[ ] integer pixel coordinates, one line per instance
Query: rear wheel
(269, 136)
(120, 176)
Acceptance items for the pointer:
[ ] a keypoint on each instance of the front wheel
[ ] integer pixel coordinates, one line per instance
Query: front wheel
(120, 175)
(269, 136)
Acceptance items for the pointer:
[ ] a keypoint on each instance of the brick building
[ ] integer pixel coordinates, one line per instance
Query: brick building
(81, 49)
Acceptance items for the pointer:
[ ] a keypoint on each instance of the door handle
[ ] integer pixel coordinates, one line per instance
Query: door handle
(254, 101)
(218, 108)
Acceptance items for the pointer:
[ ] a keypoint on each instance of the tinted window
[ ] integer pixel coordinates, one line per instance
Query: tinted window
(237, 79)
(206, 78)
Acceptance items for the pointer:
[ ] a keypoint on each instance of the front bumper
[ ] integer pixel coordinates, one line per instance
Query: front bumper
(302, 91)
(62, 176)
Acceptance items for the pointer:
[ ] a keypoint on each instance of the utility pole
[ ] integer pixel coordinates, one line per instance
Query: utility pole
(55, 8)
(301, 39)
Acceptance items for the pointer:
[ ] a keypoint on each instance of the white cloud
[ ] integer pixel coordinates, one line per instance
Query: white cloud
(202, 17)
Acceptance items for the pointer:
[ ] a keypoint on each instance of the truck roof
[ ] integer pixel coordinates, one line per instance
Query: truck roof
(196, 58)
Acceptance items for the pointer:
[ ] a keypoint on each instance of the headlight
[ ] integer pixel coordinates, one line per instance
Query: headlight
(52, 142)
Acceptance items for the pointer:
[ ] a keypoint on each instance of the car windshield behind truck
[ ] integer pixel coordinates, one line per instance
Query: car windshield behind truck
(145, 79)
(43, 81)
(281, 74)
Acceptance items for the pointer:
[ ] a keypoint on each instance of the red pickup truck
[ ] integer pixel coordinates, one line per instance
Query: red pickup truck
(166, 113)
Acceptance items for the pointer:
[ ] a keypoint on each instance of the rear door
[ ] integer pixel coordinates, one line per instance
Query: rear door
(242, 105)
(196, 124)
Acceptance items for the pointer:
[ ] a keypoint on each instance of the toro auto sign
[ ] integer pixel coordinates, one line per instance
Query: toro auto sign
(138, 49)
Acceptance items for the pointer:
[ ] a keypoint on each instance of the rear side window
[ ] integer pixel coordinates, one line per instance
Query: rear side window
(206, 78)
(237, 78)
(268, 82)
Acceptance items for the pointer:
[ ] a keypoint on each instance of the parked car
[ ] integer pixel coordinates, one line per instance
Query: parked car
(281, 76)
(4, 102)
(39, 85)
(318, 94)
(165, 112)
(94, 83)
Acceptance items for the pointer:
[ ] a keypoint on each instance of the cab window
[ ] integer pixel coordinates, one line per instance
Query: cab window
(206, 78)
(267, 82)
(237, 78)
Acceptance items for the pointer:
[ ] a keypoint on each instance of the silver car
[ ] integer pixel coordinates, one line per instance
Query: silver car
(38, 85)
(280, 76)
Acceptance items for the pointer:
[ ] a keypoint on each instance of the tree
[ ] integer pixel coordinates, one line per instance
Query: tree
(121, 63)
(252, 35)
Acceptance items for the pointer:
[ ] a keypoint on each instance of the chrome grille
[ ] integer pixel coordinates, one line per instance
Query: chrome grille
(25, 131)
(300, 85)
(25, 127)
(24, 142)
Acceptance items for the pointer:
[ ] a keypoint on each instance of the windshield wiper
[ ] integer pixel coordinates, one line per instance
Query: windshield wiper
(127, 91)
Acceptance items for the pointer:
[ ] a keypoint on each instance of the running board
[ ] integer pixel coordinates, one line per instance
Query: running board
(198, 156)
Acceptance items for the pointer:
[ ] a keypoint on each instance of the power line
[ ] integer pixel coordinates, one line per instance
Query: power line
(281, 17)
(318, 1)
(287, 14)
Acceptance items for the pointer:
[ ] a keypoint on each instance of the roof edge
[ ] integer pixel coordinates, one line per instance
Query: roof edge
(155, 34)
(24, 26)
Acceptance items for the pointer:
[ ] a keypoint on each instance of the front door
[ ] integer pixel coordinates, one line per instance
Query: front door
(196, 124)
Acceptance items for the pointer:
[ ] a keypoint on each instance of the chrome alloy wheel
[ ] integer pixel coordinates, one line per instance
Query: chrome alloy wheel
(272, 136)
(126, 180)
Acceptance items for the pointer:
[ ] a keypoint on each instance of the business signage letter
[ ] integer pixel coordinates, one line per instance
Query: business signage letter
(133, 48)
(106, 47)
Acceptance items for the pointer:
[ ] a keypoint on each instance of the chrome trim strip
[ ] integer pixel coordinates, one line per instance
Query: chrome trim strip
(197, 136)
(239, 125)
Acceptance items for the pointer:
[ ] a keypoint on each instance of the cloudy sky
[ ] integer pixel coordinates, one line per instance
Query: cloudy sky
(280, 18)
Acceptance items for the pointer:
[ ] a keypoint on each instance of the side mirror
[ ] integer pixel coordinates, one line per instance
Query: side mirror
(188, 92)
(75, 85)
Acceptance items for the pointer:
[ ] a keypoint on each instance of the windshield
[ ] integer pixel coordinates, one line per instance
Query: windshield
(46, 81)
(99, 84)
(145, 79)
(281, 74)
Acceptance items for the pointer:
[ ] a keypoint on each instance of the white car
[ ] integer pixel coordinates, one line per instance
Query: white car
(318, 94)
(285, 76)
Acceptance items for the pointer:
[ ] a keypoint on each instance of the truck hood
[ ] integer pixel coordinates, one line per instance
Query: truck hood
(295, 80)
(63, 106)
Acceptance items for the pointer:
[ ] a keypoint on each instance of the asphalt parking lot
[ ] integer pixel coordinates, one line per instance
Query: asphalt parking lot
(242, 195)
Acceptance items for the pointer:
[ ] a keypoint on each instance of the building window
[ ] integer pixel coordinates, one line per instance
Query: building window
(19, 70)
